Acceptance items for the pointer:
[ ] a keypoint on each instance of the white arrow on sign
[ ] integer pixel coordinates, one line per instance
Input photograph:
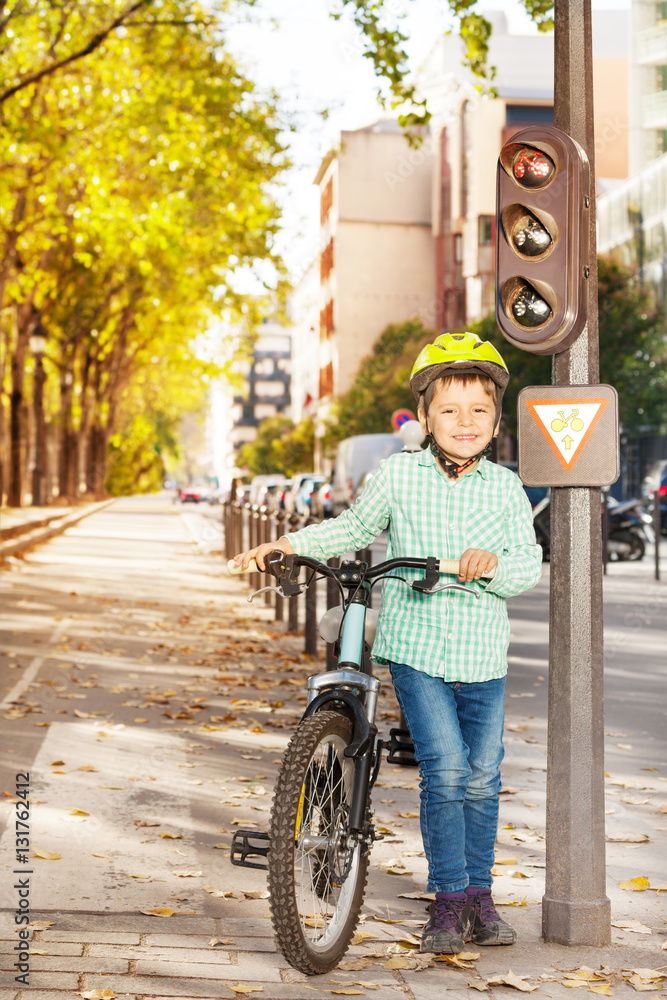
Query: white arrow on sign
(567, 424)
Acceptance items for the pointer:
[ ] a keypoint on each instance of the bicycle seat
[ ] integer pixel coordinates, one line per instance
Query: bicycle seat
(331, 620)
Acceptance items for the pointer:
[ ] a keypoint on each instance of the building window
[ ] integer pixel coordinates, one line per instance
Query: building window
(326, 381)
(326, 261)
(326, 320)
(485, 230)
(529, 114)
(458, 248)
(326, 200)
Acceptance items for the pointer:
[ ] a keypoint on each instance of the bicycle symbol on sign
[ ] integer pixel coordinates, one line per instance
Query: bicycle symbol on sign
(575, 422)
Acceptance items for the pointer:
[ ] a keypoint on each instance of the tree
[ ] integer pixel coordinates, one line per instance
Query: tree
(135, 181)
(633, 351)
(281, 447)
(381, 386)
(384, 45)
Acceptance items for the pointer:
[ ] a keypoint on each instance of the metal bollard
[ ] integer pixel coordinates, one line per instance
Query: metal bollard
(279, 532)
(293, 606)
(333, 600)
(265, 536)
(656, 530)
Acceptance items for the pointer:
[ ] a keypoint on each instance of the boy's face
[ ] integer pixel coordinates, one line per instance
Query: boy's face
(461, 418)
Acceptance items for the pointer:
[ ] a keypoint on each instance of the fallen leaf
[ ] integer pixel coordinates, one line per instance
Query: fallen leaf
(355, 964)
(159, 911)
(347, 992)
(244, 988)
(188, 874)
(78, 812)
(36, 951)
(631, 925)
(510, 979)
(625, 746)
(506, 861)
(140, 720)
(171, 836)
(99, 855)
(256, 894)
(139, 876)
(629, 838)
(643, 985)
(57, 763)
(219, 893)
(42, 923)
(87, 767)
(396, 962)
(635, 884)
(604, 989)
(97, 994)
(45, 855)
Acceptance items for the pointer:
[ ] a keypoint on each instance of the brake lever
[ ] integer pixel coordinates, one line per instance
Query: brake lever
(448, 586)
(263, 590)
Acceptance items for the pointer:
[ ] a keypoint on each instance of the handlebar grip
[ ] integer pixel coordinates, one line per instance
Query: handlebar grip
(452, 566)
(234, 570)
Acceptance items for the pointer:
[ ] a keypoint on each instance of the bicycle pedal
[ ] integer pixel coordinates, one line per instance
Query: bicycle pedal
(401, 748)
(242, 849)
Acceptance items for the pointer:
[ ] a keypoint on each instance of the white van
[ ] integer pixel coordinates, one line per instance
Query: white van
(356, 459)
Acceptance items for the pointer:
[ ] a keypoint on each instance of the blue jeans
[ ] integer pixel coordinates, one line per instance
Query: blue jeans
(457, 731)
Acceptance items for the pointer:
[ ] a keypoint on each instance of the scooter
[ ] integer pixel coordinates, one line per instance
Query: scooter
(629, 527)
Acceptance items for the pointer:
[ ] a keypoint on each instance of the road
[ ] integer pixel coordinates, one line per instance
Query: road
(149, 704)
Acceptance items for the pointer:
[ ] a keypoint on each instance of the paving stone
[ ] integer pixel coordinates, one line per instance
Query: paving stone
(88, 937)
(69, 963)
(255, 970)
(182, 940)
(58, 947)
(167, 986)
(132, 951)
(241, 942)
(52, 980)
(128, 923)
(11, 994)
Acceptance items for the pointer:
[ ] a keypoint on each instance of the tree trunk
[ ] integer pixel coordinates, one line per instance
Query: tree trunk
(17, 421)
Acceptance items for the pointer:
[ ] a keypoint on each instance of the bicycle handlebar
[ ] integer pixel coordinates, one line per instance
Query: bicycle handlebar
(444, 566)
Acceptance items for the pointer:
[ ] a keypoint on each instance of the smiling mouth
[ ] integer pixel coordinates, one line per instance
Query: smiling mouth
(465, 437)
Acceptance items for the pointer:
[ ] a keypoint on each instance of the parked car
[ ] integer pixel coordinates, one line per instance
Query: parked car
(356, 457)
(263, 488)
(303, 501)
(293, 492)
(192, 494)
(321, 504)
(657, 480)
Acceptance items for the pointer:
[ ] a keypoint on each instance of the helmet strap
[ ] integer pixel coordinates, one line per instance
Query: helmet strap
(451, 468)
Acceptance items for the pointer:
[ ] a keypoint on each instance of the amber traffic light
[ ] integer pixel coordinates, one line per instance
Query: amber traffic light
(542, 234)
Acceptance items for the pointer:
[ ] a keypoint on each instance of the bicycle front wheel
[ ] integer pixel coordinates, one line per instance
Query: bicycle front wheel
(317, 872)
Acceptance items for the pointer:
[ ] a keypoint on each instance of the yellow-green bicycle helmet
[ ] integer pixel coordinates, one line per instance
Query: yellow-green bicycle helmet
(456, 352)
(460, 353)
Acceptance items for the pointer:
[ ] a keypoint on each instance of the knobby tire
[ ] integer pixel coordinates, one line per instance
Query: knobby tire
(314, 918)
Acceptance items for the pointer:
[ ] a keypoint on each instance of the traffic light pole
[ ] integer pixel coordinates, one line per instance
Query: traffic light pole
(575, 908)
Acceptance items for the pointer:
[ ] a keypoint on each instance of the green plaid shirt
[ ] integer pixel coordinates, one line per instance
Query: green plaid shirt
(450, 634)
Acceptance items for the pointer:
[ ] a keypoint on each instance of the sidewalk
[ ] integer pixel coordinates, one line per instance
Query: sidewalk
(185, 704)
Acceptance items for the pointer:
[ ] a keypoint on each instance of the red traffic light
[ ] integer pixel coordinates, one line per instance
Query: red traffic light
(542, 235)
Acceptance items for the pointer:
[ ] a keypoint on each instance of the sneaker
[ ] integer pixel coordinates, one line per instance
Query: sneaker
(448, 924)
(486, 926)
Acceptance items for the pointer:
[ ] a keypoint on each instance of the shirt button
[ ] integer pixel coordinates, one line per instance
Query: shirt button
(452, 526)
(451, 600)
(451, 635)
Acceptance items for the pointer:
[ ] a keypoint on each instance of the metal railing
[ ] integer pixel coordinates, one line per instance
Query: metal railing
(248, 525)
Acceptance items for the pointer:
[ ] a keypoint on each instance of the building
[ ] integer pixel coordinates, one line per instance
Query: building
(648, 84)
(376, 259)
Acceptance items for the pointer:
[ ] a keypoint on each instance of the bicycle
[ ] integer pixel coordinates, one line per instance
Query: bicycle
(320, 830)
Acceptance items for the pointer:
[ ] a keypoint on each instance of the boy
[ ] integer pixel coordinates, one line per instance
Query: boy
(447, 652)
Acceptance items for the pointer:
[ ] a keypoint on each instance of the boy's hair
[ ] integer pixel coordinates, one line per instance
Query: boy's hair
(463, 378)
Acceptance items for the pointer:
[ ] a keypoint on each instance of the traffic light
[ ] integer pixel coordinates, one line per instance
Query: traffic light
(542, 234)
